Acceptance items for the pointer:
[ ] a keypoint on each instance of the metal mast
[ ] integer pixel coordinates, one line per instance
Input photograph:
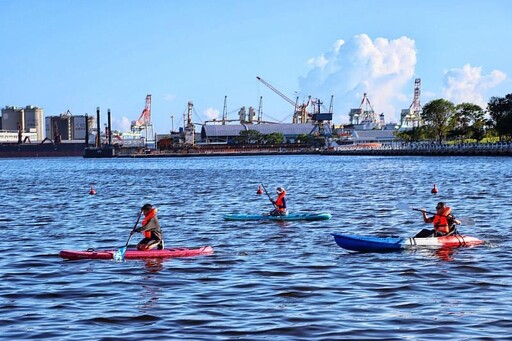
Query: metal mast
(225, 111)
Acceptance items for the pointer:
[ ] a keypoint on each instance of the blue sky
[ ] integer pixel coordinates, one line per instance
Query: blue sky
(78, 55)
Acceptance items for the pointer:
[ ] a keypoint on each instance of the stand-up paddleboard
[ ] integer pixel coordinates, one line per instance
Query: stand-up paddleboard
(136, 254)
(288, 217)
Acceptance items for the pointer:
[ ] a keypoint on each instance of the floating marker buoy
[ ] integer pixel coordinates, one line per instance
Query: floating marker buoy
(92, 191)
(259, 191)
(434, 190)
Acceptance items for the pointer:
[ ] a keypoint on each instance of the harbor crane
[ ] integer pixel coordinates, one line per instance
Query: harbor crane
(301, 114)
(145, 117)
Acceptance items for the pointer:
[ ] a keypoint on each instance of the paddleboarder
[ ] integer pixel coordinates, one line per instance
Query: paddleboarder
(280, 203)
(153, 236)
(444, 222)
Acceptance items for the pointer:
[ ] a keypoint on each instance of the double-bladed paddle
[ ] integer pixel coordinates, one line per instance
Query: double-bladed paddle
(119, 254)
(463, 220)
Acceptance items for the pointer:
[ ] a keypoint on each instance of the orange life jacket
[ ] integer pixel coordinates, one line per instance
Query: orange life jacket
(151, 214)
(440, 221)
(281, 202)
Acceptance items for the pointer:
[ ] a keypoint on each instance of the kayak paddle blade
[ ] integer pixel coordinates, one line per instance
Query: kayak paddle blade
(466, 221)
(119, 254)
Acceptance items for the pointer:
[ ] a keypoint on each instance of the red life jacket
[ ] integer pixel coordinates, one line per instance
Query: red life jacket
(280, 202)
(440, 221)
(151, 214)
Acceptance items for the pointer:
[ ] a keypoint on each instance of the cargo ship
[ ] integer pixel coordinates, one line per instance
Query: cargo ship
(43, 149)
(21, 133)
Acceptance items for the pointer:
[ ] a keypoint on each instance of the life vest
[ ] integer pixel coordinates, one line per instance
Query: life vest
(151, 214)
(281, 202)
(440, 221)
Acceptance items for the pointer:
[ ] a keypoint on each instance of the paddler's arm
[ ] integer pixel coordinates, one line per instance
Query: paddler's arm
(426, 219)
(455, 220)
(149, 226)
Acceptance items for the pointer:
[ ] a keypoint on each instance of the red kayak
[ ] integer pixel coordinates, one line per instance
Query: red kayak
(136, 254)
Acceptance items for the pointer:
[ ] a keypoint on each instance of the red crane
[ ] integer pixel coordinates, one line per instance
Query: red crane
(145, 117)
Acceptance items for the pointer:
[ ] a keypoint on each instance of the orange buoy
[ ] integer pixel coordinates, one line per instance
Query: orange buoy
(434, 190)
(259, 191)
(92, 191)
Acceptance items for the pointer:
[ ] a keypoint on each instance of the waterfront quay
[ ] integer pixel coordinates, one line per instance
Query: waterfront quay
(424, 149)
(394, 149)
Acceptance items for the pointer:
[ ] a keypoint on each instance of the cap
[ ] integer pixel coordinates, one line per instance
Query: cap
(280, 190)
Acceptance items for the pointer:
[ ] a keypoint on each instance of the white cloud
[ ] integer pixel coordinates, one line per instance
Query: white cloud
(123, 124)
(169, 97)
(468, 84)
(381, 68)
(212, 113)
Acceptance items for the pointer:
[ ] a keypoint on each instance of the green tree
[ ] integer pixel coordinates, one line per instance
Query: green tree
(303, 138)
(437, 114)
(274, 138)
(468, 120)
(248, 137)
(500, 110)
(413, 135)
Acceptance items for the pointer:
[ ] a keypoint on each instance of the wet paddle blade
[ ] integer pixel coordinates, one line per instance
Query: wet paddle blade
(119, 254)
(466, 221)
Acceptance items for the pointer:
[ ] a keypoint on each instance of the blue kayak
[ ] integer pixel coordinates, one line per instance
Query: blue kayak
(371, 243)
(289, 217)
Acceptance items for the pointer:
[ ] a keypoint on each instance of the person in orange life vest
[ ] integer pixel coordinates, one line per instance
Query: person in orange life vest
(444, 222)
(153, 236)
(279, 203)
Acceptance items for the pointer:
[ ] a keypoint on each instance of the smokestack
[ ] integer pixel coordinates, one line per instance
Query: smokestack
(86, 130)
(109, 129)
(98, 128)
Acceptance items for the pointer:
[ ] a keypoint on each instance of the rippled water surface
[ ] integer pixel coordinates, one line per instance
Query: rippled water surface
(266, 280)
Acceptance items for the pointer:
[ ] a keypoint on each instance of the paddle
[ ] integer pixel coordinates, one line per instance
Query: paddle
(463, 220)
(272, 201)
(119, 254)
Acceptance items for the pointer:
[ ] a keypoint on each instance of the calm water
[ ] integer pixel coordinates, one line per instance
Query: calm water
(265, 280)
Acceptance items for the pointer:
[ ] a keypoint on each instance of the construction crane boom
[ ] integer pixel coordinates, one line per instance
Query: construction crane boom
(145, 116)
(277, 91)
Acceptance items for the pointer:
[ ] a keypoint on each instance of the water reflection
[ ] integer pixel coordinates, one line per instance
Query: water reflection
(154, 265)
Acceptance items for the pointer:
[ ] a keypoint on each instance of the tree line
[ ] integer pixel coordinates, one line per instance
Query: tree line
(443, 120)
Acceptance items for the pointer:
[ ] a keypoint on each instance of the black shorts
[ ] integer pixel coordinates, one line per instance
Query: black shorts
(150, 243)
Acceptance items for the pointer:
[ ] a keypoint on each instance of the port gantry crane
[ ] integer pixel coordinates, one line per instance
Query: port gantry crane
(144, 121)
(145, 117)
(301, 114)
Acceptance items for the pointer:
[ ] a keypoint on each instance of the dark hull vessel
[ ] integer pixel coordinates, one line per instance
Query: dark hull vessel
(13, 150)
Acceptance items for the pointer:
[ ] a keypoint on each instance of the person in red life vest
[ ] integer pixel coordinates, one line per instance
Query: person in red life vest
(444, 222)
(279, 203)
(153, 236)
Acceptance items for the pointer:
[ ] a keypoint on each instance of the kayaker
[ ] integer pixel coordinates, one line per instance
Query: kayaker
(153, 237)
(444, 222)
(280, 203)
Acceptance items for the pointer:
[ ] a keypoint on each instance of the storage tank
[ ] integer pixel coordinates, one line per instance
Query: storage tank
(11, 117)
(34, 121)
(78, 125)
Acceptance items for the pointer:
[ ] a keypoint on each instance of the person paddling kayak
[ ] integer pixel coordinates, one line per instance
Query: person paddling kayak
(280, 203)
(444, 222)
(153, 236)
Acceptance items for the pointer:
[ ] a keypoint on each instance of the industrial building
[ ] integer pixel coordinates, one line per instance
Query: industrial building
(27, 123)
(67, 127)
(211, 133)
